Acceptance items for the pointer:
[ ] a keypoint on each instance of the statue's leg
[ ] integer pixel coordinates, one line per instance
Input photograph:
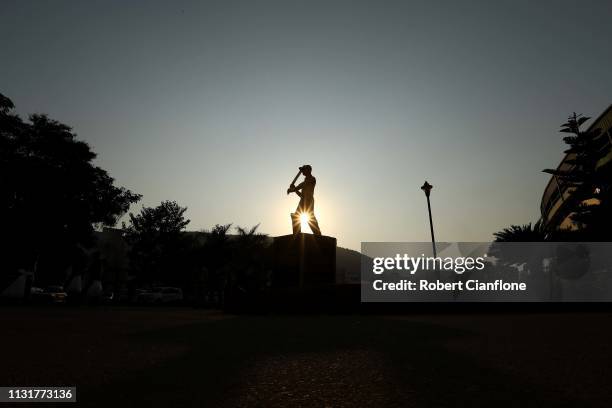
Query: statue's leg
(295, 223)
(314, 224)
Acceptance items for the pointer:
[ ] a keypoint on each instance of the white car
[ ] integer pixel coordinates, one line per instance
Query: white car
(160, 295)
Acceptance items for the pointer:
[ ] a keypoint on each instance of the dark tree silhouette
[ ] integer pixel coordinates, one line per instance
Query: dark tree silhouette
(590, 184)
(250, 239)
(215, 255)
(248, 267)
(521, 233)
(157, 242)
(509, 254)
(52, 196)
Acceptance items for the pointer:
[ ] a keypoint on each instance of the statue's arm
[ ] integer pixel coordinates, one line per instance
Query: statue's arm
(296, 189)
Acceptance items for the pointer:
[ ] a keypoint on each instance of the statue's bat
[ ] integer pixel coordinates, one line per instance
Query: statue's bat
(294, 179)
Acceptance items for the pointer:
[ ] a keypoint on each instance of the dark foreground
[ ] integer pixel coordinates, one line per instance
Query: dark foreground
(180, 357)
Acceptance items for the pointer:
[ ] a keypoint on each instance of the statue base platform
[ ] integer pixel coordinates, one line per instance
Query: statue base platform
(303, 260)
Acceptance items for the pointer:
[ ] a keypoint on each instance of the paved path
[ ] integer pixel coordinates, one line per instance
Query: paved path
(158, 357)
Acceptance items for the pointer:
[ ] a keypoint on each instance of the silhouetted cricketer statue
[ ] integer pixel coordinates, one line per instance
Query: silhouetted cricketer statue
(305, 190)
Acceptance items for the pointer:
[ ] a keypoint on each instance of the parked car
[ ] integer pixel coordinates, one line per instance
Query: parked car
(57, 293)
(122, 296)
(159, 295)
(51, 294)
(143, 296)
(108, 297)
(171, 295)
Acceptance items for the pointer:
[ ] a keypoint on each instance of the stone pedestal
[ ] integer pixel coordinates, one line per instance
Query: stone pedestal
(303, 260)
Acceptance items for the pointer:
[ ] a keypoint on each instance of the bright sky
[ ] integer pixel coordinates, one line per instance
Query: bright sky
(216, 104)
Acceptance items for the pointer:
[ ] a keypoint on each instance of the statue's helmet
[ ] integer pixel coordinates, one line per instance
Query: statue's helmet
(306, 168)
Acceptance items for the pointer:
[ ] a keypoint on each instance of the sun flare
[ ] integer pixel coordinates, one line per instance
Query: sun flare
(304, 218)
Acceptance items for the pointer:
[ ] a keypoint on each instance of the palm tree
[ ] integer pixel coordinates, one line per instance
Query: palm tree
(522, 233)
(509, 251)
(216, 253)
(250, 238)
(247, 270)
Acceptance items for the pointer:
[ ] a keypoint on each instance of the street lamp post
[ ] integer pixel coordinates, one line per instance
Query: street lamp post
(426, 187)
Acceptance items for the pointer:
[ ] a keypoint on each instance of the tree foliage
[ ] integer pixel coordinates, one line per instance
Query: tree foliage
(509, 254)
(52, 196)
(521, 233)
(248, 267)
(156, 240)
(590, 183)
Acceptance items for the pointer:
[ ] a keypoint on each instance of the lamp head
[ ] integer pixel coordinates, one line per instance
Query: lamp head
(426, 187)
